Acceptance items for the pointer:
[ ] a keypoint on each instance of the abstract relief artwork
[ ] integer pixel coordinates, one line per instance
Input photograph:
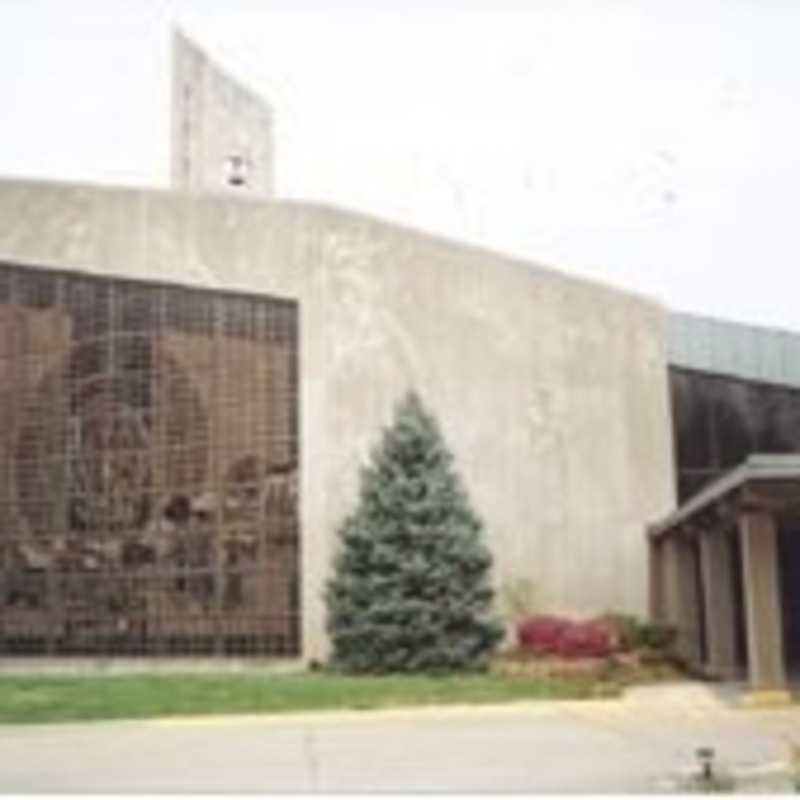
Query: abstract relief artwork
(148, 469)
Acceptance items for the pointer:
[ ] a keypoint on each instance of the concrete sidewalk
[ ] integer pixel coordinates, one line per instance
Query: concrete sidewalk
(627, 745)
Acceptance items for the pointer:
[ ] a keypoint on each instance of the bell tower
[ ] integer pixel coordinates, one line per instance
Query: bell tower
(222, 133)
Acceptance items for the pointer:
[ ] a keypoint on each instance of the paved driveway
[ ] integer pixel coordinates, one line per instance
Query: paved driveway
(628, 745)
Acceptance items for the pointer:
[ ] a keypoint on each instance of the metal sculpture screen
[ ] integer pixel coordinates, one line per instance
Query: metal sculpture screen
(148, 469)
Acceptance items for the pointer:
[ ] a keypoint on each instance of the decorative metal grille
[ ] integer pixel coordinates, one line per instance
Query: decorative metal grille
(148, 469)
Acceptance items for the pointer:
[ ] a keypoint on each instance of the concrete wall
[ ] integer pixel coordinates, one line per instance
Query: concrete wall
(551, 391)
(214, 118)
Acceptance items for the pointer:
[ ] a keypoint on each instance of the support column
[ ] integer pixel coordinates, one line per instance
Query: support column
(767, 669)
(669, 571)
(682, 598)
(718, 603)
(656, 569)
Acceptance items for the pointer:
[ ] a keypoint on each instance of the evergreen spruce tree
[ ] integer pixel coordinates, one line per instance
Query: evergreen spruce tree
(411, 587)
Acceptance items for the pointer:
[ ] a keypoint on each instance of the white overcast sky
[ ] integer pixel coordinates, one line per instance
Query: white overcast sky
(651, 145)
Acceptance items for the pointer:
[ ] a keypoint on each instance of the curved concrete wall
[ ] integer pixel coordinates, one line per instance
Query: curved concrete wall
(551, 391)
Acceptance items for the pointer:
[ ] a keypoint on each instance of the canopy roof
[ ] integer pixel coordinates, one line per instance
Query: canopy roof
(761, 480)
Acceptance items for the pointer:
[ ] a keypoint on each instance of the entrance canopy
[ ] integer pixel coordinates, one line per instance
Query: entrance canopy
(715, 572)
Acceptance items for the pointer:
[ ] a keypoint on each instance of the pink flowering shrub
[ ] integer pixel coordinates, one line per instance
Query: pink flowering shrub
(551, 635)
(590, 639)
(541, 634)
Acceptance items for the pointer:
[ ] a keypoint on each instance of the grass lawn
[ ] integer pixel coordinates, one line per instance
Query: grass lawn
(60, 699)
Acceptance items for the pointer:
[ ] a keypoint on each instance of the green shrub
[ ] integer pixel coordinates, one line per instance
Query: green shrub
(654, 635)
(632, 633)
